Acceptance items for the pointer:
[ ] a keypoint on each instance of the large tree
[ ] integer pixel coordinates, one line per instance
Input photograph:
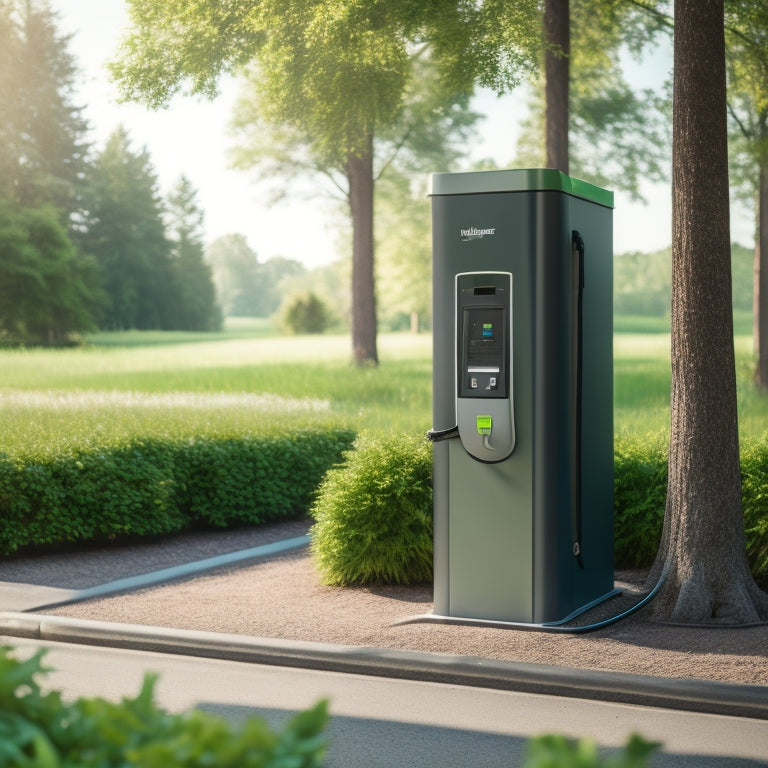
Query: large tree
(557, 36)
(193, 289)
(429, 133)
(42, 145)
(585, 119)
(333, 70)
(702, 556)
(125, 231)
(49, 292)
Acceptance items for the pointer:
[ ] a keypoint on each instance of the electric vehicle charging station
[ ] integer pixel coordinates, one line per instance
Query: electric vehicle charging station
(522, 395)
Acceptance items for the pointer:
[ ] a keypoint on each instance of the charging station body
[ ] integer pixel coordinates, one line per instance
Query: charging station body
(523, 366)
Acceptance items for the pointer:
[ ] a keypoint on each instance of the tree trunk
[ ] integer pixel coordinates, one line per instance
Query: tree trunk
(360, 176)
(556, 74)
(760, 301)
(702, 553)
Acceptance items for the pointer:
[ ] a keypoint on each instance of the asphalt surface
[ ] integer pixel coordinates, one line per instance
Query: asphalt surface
(380, 722)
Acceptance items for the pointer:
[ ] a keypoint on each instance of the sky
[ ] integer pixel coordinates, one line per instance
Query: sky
(190, 138)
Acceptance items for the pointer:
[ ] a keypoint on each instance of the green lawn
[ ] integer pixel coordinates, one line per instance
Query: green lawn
(247, 380)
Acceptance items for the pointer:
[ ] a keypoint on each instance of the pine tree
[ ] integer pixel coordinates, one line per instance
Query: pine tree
(126, 233)
(195, 293)
(42, 144)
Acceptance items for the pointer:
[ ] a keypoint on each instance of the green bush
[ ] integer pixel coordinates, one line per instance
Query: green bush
(639, 497)
(39, 729)
(754, 498)
(556, 751)
(157, 486)
(374, 514)
(305, 313)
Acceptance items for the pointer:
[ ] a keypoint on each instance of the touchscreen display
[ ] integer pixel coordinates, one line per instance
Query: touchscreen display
(484, 336)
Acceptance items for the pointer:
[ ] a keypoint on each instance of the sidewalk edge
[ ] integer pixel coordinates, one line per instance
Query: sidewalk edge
(643, 690)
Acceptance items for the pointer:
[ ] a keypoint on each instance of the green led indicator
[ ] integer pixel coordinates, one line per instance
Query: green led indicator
(484, 425)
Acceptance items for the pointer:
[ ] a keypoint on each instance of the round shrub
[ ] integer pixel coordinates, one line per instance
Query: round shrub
(305, 313)
(373, 514)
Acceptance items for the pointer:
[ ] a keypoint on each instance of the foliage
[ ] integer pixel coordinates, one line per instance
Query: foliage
(746, 31)
(618, 135)
(152, 486)
(233, 482)
(211, 392)
(48, 291)
(331, 79)
(754, 494)
(42, 131)
(244, 286)
(42, 729)
(374, 514)
(126, 234)
(555, 751)
(642, 282)
(193, 286)
(640, 493)
(404, 252)
(305, 313)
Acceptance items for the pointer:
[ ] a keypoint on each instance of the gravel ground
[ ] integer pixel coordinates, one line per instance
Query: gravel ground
(281, 597)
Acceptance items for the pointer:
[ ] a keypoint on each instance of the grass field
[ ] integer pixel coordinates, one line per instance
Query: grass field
(247, 380)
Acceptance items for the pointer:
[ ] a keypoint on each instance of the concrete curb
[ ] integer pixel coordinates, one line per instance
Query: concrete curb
(643, 690)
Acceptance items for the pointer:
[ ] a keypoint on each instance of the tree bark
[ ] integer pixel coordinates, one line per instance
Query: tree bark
(702, 555)
(359, 169)
(556, 74)
(760, 300)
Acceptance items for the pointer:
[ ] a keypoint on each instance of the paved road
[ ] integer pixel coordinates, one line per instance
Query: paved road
(390, 722)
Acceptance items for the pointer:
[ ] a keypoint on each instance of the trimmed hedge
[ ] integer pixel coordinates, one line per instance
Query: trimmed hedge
(154, 487)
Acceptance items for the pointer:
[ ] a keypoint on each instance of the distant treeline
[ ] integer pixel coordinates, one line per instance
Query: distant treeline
(642, 282)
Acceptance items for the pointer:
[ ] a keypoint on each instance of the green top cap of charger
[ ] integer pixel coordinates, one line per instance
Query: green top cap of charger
(517, 180)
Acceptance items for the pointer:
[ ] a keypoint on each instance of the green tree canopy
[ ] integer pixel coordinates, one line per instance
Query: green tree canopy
(125, 231)
(194, 293)
(42, 145)
(244, 286)
(334, 71)
(618, 136)
(48, 290)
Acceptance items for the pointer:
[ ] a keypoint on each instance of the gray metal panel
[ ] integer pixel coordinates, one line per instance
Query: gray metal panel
(491, 566)
(440, 494)
(517, 180)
